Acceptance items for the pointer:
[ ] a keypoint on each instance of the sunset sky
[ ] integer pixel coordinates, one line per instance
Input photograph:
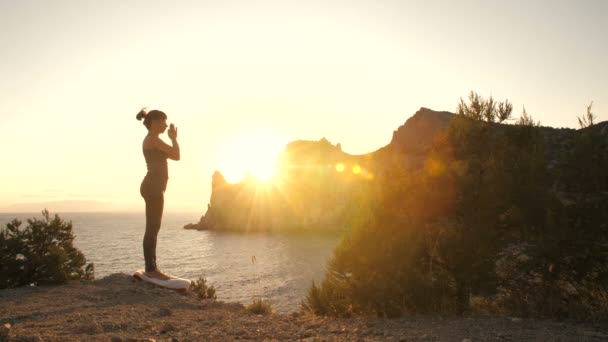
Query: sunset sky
(240, 79)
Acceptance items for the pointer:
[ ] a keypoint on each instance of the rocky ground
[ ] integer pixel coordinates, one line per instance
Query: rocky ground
(117, 308)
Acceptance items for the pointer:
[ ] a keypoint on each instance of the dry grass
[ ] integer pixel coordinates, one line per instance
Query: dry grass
(260, 307)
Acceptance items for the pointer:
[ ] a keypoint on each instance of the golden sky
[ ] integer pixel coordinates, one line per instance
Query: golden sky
(240, 79)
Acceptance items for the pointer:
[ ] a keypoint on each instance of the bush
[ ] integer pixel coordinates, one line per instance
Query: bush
(483, 219)
(202, 290)
(553, 293)
(259, 307)
(383, 268)
(42, 253)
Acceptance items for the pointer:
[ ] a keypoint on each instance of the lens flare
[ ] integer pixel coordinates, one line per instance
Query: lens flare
(250, 155)
(339, 167)
(356, 169)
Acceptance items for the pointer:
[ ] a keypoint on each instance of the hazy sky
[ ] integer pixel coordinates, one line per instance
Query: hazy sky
(242, 78)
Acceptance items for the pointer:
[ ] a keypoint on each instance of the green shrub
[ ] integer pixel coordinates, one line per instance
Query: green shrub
(486, 219)
(41, 253)
(202, 290)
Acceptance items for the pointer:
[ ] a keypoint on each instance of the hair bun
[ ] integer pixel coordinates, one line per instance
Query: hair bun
(142, 114)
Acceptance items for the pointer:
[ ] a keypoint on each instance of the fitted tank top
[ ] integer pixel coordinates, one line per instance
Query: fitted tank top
(156, 161)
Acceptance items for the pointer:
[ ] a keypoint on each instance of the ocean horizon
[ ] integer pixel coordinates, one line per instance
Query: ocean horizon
(242, 266)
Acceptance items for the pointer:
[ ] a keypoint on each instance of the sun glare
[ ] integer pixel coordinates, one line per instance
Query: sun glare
(254, 155)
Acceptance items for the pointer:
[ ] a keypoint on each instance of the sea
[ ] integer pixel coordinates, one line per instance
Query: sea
(278, 267)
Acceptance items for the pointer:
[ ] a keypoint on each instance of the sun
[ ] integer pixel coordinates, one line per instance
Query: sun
(253, 154)
(263, 169)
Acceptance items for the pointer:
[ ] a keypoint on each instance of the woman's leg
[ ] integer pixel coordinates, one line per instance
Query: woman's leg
(154, 213)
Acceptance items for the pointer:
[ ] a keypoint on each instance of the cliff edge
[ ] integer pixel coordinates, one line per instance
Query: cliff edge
(116, 308)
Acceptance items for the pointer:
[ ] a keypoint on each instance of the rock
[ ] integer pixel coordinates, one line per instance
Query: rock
(305, 334)
(28, 338)
(419, 130)
(466, 340)
(168, 327)
(90, 328)
(5, 331)
(191, 226)
(116, 339)
(165, 311)
(174, 339)
(240, 333)
(504, 337)
(427, 338)
(515, 319)
(570, 289)
(592, 333)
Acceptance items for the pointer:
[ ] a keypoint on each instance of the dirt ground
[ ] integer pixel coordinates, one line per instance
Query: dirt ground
(118, 308)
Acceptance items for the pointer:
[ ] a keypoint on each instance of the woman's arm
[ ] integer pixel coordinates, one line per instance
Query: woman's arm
(171, 151)
(175, 147)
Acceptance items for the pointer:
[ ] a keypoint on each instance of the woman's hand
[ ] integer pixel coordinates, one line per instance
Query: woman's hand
(172, 132)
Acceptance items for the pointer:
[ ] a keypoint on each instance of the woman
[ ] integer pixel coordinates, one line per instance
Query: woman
(154, 184)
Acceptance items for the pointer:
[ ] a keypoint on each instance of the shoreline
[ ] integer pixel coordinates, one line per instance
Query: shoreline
(117, 308)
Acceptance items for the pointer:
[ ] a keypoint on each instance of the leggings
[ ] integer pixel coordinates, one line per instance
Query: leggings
(153, 193)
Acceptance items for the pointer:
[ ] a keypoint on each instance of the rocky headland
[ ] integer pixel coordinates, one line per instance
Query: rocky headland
(320, 187)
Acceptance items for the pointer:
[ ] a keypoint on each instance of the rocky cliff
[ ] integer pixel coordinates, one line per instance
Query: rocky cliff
(320, 187)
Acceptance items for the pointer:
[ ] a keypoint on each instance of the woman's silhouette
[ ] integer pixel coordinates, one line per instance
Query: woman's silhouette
(154, 184)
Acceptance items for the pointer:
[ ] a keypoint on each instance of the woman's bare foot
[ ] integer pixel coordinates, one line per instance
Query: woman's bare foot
(158, 275)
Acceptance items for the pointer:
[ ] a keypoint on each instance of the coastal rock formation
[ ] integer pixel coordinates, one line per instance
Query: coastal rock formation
(317, 186)
(308, 192)
(320, 187)
(418, 131)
